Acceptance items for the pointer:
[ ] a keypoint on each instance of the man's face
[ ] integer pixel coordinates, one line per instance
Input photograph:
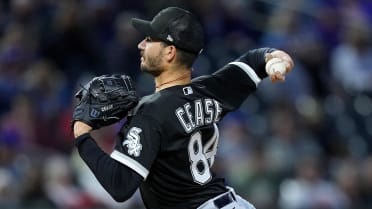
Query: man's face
(151, 55)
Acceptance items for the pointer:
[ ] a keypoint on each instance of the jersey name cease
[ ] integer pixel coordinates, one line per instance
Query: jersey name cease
(206, 111)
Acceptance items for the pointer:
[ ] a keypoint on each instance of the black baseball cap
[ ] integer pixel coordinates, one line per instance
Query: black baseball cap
(175, 26)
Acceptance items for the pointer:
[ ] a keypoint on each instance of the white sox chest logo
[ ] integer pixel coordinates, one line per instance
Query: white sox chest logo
(133, 141)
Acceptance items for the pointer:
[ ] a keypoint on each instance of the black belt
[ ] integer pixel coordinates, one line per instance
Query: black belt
(224, 200)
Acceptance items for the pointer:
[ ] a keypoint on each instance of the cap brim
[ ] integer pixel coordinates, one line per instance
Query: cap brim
(143, 26)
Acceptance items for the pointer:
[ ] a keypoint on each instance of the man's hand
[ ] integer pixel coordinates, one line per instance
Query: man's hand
(81, 128)
(287, 61)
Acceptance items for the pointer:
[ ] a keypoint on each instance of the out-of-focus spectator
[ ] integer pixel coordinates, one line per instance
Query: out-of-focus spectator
(310, 189)
(286, 141)
(234, 150)
(122, 52)
(18, 129)
(347, 176)
(14, 57)
(351, 60)
(60, 187)
(47, 88)
(68, 43)
(32, 194)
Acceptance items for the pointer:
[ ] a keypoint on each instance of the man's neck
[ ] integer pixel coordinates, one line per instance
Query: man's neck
(172, 78)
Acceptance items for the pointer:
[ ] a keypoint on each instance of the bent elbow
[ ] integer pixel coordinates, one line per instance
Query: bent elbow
(120, 197)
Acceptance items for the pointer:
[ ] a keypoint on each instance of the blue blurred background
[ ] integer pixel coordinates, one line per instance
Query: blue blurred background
(302, 144)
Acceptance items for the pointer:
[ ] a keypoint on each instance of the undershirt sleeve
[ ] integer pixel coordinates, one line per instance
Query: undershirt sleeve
(117, 179)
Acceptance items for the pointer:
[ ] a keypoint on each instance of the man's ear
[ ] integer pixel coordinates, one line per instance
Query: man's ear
(170, 53)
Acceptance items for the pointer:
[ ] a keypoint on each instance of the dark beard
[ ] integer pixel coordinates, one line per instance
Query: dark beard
(151, 71)
(152, 66)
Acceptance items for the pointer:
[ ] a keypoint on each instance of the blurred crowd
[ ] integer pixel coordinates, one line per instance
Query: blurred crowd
(302, 144)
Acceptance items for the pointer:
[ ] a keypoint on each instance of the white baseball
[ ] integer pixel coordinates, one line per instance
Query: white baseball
(275, 65)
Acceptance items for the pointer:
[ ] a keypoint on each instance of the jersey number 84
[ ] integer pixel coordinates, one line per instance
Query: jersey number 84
(202, 157)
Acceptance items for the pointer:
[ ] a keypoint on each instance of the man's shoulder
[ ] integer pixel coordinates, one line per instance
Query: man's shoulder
(159, 103)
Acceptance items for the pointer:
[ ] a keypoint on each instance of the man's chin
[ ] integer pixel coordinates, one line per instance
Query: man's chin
(144, 68)
(150, 71)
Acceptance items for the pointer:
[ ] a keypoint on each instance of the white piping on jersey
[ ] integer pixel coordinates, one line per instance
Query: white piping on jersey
(137, 167)
(250, 72)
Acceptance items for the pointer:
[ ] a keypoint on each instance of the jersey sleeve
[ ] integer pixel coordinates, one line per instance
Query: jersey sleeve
(111, 174)
(138, 144)
(232, 84)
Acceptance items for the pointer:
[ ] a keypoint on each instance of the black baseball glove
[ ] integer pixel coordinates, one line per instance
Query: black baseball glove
(105, 100)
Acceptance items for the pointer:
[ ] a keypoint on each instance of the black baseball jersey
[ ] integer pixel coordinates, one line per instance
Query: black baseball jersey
(171, 139)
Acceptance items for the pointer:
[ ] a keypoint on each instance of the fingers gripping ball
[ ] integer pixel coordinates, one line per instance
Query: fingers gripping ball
(105, 100)
(275, 65)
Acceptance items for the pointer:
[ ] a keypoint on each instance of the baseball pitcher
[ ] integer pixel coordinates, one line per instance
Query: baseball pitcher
(168, 144)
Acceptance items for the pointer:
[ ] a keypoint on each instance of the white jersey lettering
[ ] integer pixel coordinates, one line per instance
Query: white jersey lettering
(205, 112)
